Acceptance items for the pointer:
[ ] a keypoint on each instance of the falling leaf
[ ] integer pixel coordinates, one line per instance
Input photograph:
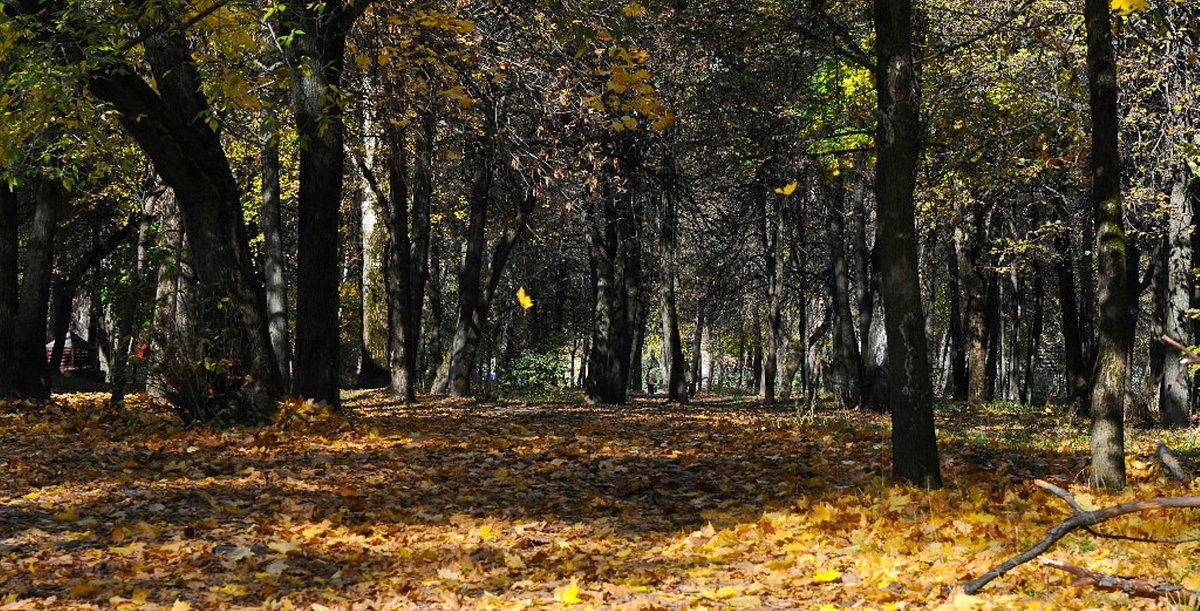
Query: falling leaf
(524, 299)
(787, 189)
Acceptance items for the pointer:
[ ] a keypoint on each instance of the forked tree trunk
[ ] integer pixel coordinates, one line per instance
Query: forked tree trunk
(914, 445)
(1115, 328)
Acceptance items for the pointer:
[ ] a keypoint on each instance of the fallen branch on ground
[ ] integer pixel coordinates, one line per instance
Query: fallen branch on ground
(1079, 519)
(1170, 463)
(1133, 586)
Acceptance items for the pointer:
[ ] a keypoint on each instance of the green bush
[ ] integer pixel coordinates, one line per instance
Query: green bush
(533, 372)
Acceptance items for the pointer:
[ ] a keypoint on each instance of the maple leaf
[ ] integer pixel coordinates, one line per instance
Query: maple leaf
(827, 576)
(570, 594)
(788, 189)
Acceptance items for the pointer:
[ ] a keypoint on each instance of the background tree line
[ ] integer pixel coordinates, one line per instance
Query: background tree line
(815, 201)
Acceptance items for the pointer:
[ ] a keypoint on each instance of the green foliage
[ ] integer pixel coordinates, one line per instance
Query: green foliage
(533, 372)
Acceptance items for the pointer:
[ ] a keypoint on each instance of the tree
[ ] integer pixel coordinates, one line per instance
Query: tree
(914, 445)
(1115, 324)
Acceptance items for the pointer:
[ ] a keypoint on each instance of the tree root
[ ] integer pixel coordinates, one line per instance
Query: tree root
(1133, 586)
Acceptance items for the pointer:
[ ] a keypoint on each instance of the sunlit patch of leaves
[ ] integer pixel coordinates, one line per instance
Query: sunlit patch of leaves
(453, 503)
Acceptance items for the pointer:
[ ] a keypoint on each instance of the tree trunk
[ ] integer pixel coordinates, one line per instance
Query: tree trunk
(172, 322)
(168, 125)
(9, 267)
(969, 243)
(994, 339)
(1173, 398)
(270, 217)
(127, 342)
(914, 445)
(466, 333)
(614, 250)
(846, 366)
(317, 58)
(29, 343)
(1078, 394)
(674, 365)
(1115, 328)
(1034, 341)
(773, 322)
(959, 384)
(696, 373)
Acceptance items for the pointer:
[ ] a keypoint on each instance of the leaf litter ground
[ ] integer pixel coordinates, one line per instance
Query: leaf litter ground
(452, 504)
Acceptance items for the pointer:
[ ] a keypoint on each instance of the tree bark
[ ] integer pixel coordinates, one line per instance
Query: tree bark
(846, 358)
(773, 316)
(914, 445)
(168, 125)
(318, 53)
(1034, 341)
(614, 250)
(672, 343)
(9, 267)
(271, 219)
(969, 243)
(32, 373)
(466, 333)
(695, 371)
(1078, 394)
(958, 352)
(1115, 328)
(1173, 398)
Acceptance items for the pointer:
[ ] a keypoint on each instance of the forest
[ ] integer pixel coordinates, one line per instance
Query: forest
(643, 304)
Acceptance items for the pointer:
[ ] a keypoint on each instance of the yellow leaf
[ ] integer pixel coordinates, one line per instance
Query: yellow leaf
(487, 532)
(66, 516)
(629, 122)
(1086, 501)
(570, 595)
(633, 9)
(1128, 7)
(284, 547)
(524, 299)
(181, 605)
(787, 189)
(827, 576)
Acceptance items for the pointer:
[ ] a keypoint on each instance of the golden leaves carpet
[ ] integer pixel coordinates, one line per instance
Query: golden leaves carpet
(451, 504)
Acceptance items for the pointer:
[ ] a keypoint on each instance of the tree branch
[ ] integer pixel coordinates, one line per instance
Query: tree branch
(1141, 588)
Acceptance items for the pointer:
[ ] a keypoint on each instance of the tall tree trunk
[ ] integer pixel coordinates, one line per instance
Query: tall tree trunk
(958, 350)
(318, 53)
(992, 307)
(969, 242)
(1173, 398)
(398, 266)
(171, 297)
(914, 445)
(773, 319)
(29, 343)
(419, 243)
(466, 333)
(8, 287)
(674, 365)
(1115, 328)
(270, 217)
(1034, 341)
(127, 342)
(697, 349)
(614, 250)
(1077, 379)
(846, 365)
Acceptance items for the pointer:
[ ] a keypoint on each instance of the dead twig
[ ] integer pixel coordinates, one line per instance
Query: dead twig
(1192, 357)
(1078, 519)
(1133, 586)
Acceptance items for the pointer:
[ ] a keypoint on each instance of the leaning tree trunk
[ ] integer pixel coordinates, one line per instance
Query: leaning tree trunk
(168, 125)
(1115, 326)
(1173, 401)
(914, 445)
(674, 364)
(8, 287)
(32, 375)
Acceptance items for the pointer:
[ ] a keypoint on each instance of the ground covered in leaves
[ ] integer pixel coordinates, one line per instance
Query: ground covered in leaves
(543, 505)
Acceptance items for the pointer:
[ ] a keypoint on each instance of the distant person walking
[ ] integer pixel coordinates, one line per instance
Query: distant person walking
(651, 380)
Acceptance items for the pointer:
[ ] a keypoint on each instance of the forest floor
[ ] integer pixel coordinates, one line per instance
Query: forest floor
(448, 504)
